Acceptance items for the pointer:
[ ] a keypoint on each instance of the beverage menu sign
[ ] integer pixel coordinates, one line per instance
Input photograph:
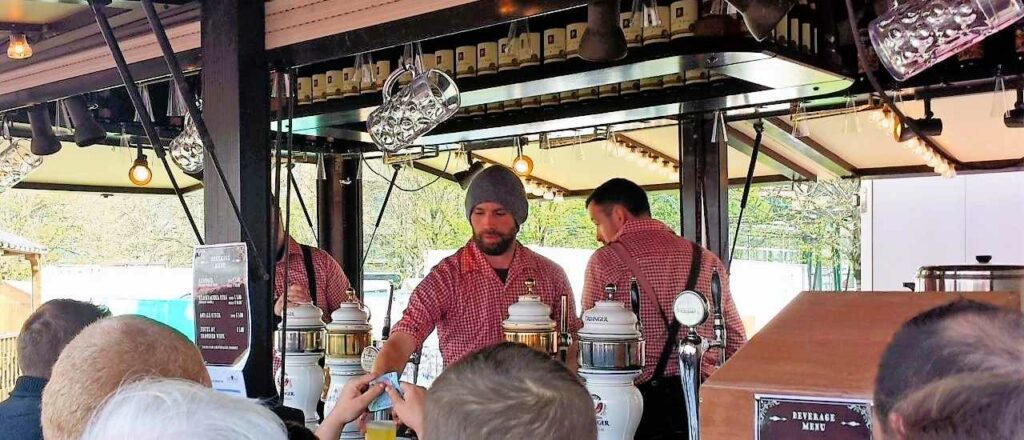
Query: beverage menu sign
(807, 418)
(220, 291)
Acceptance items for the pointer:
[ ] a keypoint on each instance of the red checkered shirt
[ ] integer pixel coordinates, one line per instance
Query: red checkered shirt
(665, 259)
(464, 298)
(331, 282)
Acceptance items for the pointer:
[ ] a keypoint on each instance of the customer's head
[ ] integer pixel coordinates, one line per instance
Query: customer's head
(614, 203)
(964, 406)
(49, 329)
(105, 356)
(172, 409)
(959, 337)
(509, 391)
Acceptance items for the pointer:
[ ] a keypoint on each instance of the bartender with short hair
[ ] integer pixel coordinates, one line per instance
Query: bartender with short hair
(669, 264)
(467, 295)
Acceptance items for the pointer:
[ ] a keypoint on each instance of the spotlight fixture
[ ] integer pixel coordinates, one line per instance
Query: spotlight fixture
(464, 177)
(18, 47)
(761, 16)
(87, 130)
(44, 142)
(928, 126)
(603, 40)
(1014, 118)
(139, 173)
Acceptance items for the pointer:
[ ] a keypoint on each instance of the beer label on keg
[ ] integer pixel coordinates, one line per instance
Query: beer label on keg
(806, 417)
(369, 357)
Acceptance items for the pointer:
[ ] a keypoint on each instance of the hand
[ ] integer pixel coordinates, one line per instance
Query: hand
(355, 396)
(297, 295)
(409, 409)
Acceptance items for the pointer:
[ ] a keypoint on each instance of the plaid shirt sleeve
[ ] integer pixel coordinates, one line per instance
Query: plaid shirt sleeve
(426, 306)
(335, 283)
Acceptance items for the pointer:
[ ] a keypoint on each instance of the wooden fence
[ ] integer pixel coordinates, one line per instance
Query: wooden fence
(9, 371)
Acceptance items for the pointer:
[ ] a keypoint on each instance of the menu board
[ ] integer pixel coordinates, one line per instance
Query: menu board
(220, 291)
(811, 418)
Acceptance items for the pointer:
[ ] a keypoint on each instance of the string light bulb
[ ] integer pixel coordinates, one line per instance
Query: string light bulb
(18, 47)
(523, 165)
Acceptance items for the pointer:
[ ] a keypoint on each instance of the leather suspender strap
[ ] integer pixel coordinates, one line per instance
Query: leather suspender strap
(307, 258)
(671, 325)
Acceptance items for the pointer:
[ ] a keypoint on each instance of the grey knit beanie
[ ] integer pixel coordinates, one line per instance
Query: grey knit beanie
(497, 184)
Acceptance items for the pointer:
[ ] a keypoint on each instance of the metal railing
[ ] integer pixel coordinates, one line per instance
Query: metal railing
(9, 370)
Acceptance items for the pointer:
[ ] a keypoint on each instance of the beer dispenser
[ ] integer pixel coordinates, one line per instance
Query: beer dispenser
(611, 356)
(529, 322)
(347, 335)
(691, 310)
(304, 346)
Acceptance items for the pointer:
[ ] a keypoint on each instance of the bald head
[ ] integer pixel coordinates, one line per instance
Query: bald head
(106, 355)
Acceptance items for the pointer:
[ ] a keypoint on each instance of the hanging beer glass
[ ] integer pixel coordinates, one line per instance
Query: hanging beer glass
(918, 34)
(430, 99)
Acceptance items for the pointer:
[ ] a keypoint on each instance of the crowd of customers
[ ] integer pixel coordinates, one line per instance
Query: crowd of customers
(952, 372)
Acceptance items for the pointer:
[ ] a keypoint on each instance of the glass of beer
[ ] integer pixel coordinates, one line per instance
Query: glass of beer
(381, 430)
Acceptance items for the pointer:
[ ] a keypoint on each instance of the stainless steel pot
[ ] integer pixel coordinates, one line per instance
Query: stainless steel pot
(612, 355)
(543, 341)
(980, 277)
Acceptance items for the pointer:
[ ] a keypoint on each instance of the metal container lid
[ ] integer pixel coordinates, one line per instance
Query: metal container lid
(350, 317)
(981, 271)
(609, 319)
(529, 314)
(304, 316)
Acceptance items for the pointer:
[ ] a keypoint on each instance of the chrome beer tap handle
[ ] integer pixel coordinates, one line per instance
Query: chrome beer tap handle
(691, 310)
(718, 322)
(691, 351)
(564, 338)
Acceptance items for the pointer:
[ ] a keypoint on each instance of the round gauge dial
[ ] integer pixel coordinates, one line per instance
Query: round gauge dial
(690, 308)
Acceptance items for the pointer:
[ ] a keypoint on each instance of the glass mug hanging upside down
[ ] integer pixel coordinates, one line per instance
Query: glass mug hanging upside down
(430, 99)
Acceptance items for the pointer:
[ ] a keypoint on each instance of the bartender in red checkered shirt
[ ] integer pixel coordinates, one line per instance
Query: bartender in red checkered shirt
(467, 295)
(622, 214)
(313, 275)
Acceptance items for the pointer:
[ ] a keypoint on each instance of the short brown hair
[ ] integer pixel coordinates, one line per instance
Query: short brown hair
(106, 355)
(51, 327)
(509, 391)
(976, 405)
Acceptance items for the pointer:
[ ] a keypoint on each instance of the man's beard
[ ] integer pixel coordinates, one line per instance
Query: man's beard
(495, 249)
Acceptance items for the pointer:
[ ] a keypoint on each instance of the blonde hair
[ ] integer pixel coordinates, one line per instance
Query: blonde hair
(105, 355)
(171, 409)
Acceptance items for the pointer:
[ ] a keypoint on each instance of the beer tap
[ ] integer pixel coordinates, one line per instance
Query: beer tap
(634, 301)
(691, 310)
(385, 331)
(718, 322)
(564, 338)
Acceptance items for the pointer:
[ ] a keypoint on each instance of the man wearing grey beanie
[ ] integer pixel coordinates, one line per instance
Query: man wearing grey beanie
(467, 295)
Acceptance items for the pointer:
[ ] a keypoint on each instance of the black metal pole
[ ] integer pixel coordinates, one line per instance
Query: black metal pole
(193, 111)
(759, 129)
(140, 107)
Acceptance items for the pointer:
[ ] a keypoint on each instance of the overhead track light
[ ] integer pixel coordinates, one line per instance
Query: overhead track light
(927, 126)
(466, 176)
(87, 130)
(603, 40)
(761, 16)
(18, 47)
(44, 142)
(1014, 118)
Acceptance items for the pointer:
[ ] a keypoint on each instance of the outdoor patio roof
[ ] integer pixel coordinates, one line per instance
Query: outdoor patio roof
(11, 244)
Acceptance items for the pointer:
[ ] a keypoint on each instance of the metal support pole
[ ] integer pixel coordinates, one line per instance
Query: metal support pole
(340, 214)
(715, 186)
(689, 178)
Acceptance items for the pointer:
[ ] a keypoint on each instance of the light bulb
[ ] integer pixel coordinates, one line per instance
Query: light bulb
(928, 155)
(620, 152)
(559, 198)
(523, 165)
(549, 195)
(920, 148)
(140, 174)
(18, 48)
(537, 190)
